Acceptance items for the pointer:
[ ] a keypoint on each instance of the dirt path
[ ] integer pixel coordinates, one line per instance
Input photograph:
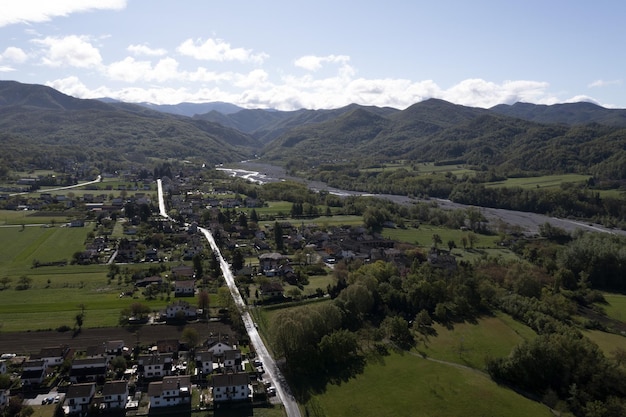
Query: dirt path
(25, 343)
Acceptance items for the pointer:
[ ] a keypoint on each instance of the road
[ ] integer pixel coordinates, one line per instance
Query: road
(69, 187)
(269, 364)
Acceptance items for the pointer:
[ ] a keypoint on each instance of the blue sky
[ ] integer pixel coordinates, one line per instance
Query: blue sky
(322, 54)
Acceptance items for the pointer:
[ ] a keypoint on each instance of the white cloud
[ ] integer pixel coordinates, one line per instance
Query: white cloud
(146, 50)
(72, 50)
(218, 50)
(24, 11)
(4, 68)
(14, 54)
(130, 70)
(313, 63)
(480, 93)
(603, 83)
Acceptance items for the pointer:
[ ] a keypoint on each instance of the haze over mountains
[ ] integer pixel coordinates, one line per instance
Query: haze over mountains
(40, 122)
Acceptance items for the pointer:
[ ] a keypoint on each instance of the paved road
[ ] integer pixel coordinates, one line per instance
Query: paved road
(69, 187)
(269, 364)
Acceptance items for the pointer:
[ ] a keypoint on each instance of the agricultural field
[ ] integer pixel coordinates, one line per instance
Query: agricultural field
(545, 181)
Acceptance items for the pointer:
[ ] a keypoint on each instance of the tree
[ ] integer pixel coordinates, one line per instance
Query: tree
(23, 283)
(278, 236)
(197, 265)
(397, 330)
(190, 337)
(254, 216)
(436, 240)
(451, 244)
(238, 260)
(80, 317)
(5, 282)
(203, 302)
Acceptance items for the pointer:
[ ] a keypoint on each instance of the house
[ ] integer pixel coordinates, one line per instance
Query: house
(184, 288)
(204, 361)
(114, 395)
(4, 397)
(232, 360)
(168, 346)
(183, 271)
(231, 387)
(218, 348)
(52, 356)
(180, 309)
(271, 290)
(270, 263)
(157, 280)
(33, 372)
(79, 397)
(171, 391)
(89, 369)
(155, 365)
(109, 349)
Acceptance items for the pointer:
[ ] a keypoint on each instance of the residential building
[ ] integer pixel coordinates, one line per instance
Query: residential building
(155, 365)
(89, 369)
(78, 398)
(180, 309)
(114, 395)
(52, 356)
(232, 360)
(33, 372)
(231, 387)
(171, 391)
(184, 288)
(204, 361)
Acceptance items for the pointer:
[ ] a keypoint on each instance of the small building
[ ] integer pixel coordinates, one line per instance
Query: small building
(114, 395)
(204, 362)
(171, 391)
(52, 356)
(271, 290)
(184, 288)
(78, 398)
(218, 348)
(33, 372)
(155, 365)
(232, 360)
(89, 369)
(180, 309)
(231, 387)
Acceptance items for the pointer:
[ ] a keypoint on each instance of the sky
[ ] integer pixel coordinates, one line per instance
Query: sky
(296, 54)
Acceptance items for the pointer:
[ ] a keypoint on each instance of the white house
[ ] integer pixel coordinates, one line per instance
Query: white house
(231, 387)
(52, 356)
(33, 372)
(88, 369)
(114, 395)
(155, 365)
(79, 397)
(232, 360)
(171, 391)
(180, 308)
(218, 348)
(204, 361)
(184, 288)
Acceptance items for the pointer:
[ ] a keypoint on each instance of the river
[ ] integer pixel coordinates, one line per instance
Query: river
(528, 222)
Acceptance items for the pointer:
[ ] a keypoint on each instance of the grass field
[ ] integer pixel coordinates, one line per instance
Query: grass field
(21, 246)
(471, 344)
(616, 307)
(608, 342)
(545, 181)
(404, 385)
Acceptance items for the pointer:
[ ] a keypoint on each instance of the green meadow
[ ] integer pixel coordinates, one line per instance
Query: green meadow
(616, 306)
(544, 181)
(403, 384)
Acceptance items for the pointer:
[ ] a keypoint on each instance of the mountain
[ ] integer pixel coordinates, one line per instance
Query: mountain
(191, 109)
(55, 124)
(566, 113)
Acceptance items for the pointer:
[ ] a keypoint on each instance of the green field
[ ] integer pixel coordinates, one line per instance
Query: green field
(616, 307)
(21, 246)
(545, 181)
(471, 344)
(403, 384)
